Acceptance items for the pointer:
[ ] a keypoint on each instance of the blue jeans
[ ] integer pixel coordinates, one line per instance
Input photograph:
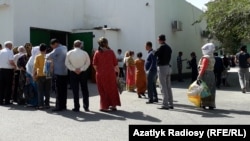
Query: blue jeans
(44, 87)
(151, 84)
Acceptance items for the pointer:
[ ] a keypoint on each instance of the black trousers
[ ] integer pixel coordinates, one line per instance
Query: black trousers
(81, 80)
(194, 74)
(180, 74)
(6, 80)
(218, 78)
(121, 74)
(16, 83)
(61, 82)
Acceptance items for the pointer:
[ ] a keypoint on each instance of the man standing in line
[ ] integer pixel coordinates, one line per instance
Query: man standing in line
(78, 61)
(151, 70)
(58, 56)
(243, 59)
(179, 66)
(43, 84)
(7, 66)
(218, 69)
(163, 59)
(120, 63)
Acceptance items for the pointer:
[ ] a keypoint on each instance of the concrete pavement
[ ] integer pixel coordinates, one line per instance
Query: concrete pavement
(18, 123)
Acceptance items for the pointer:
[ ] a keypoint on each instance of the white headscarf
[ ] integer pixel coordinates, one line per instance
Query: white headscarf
(21, 49)
(208, 49)
(29, 66)
(21, 52)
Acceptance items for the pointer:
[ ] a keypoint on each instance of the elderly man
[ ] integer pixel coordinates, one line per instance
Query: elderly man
(7, 67)
(21, 52)
(78, 61)
(58, 56)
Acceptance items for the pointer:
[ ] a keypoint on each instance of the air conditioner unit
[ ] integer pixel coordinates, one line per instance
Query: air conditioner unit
(177, 25)
(4, 3)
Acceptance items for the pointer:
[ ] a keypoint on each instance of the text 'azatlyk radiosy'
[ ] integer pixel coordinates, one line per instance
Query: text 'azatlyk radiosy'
(170, 132)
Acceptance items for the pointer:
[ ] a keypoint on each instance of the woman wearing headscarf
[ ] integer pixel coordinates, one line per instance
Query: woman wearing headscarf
(21, 52)
(106, 66)
(126, 56)
(130, 76)
(29, 72)
(206, 68)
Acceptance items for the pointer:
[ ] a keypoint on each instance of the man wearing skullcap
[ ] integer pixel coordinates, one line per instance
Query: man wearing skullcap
(7, 67)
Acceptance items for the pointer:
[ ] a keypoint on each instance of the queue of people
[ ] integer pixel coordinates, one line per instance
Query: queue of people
(29, 77)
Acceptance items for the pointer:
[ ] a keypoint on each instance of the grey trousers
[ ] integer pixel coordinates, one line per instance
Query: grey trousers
(165, 84)
(244, 78)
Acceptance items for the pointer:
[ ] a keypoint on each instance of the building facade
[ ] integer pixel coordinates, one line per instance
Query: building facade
(128, 24)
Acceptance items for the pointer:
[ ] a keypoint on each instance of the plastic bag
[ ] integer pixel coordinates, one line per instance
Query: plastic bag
(197, 90)
(193, 93)
(196, 100)
(205, 90)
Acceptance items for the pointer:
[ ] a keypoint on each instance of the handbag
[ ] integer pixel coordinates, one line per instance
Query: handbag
(121, 85)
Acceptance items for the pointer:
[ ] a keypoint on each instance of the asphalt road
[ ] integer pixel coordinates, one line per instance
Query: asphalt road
(19, 123)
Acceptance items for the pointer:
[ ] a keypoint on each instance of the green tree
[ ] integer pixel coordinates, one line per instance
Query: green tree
(229, 21)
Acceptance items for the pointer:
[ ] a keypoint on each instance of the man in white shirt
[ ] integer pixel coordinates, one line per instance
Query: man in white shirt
(78, 61)
(7, 67)
(21, 52)
(120, 63)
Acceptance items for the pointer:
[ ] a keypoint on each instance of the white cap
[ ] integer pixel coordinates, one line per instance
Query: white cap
(8, 42)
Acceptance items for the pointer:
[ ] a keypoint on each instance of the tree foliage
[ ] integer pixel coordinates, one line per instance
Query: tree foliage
(229, 21)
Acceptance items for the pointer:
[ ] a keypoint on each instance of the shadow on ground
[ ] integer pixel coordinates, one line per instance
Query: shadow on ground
(97, 116)
(232, 83)
(216, 113)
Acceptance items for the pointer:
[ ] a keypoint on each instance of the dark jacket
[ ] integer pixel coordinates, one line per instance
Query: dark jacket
(150, 64)
(163, 55)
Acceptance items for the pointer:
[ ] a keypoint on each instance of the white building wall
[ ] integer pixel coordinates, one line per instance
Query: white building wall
(189, 39)
(62, 15)
(6, 22)
(133, 17)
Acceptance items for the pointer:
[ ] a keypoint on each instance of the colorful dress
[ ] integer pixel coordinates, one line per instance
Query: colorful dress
(105, 62)
(140, 77)
(209, 78)
(130, 81)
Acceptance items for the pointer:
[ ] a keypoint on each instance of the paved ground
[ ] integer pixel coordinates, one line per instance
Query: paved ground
(26, 124)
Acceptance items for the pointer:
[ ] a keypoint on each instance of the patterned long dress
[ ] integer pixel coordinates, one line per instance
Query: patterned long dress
(130, 81)
(209, 79)
(105, 63)
(140, 77)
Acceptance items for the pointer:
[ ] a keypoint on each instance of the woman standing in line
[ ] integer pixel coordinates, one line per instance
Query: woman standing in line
(193, 65)
(126, 56)
(140, 77)
(130, 81)
(206, 68)
(106, 66)
(29, 72)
